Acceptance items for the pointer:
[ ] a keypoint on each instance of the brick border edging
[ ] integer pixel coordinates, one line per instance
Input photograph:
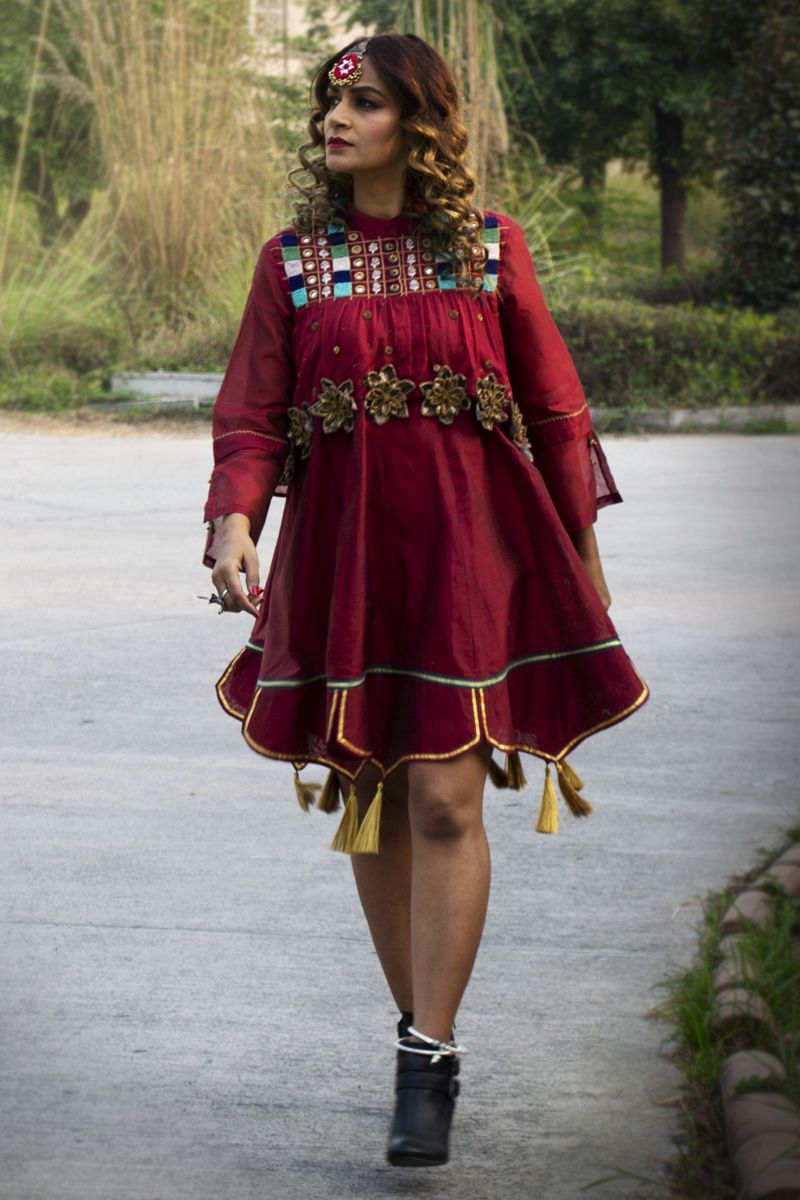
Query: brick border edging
(762, 1128)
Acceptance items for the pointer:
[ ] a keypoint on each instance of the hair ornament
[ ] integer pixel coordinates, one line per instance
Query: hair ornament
(347, 68)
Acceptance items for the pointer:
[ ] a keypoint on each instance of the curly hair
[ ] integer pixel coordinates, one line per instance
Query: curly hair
(440, 186)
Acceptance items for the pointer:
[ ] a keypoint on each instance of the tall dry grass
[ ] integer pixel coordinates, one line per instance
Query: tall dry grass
(62, 304)
(465, 34)
(187, 140)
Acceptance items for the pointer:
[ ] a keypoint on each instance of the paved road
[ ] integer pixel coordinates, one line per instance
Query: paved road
(192, 1009)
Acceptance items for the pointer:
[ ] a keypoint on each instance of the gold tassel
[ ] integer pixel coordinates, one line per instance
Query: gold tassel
(516, 776)
(329, 799)
(345, 835)
(548, 812)
(572, 775)
(305, 792)
(368, 837)
(498, 776)
(579, 806)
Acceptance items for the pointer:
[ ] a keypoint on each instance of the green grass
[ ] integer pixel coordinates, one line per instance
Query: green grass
(771, 960)
(629, 245)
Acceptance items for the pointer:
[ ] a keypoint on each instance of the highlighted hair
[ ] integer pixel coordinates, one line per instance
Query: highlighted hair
(440, 186)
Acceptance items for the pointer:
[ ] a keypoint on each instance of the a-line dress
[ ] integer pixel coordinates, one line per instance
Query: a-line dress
(435, 451)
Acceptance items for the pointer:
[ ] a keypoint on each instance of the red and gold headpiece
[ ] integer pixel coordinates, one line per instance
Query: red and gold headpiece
(347, 68)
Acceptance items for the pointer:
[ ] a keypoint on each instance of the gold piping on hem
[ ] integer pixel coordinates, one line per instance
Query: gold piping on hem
(329, 726)
(292, 758)
(342, 740)
(481, 729)
(578, 737)
(239, 714)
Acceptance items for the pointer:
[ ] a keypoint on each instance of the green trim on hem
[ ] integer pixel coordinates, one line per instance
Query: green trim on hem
(449, 680)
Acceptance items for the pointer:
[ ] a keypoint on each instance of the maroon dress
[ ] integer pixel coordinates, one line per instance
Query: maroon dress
(435, 451)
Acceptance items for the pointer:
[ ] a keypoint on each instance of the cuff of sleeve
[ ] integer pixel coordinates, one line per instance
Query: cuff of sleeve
(605, 488)
(245, 484)
(578, 479)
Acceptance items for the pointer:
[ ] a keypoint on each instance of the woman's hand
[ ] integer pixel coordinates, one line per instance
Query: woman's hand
(236, 553)
(585, 543)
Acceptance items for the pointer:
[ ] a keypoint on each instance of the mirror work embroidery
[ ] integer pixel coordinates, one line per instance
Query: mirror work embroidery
(345, 263)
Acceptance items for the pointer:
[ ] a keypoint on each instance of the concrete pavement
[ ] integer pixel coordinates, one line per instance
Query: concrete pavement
(191, 1006)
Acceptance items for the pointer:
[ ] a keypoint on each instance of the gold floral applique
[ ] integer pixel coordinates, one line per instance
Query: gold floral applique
(301, 428)
(386, 396)
(335, 404)
(445, 396)
(288, 470)
(490, 402)
(518, 432)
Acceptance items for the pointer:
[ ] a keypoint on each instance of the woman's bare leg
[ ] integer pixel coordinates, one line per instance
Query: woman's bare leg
(425, 895)
(384, 880)
(450, 883)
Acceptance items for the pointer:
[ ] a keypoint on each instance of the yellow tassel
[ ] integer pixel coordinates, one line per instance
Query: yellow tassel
(329, 799)
(498, 776)
(305, 792)
(579, 806)
(368, 837)
(516, 775)
(345, 835)
(548, 813)
(572, 775)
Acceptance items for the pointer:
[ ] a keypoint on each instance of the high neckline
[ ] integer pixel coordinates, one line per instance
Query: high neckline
(377, 226)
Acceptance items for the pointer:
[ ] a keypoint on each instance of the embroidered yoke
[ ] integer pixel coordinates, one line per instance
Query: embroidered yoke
(436, 451)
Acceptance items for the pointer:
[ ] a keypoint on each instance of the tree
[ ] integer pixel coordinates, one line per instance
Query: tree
(60, 167)
(591, 80)
(756, 58)
(619, 78)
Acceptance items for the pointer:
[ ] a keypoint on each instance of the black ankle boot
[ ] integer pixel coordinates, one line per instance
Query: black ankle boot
(406, 1020)
(425, 1099)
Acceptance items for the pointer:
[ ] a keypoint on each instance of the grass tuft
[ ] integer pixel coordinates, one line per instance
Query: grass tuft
(770, 959)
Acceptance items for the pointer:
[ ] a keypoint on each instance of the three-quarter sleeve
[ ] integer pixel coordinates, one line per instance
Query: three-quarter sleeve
(250, 422)
(546, 387)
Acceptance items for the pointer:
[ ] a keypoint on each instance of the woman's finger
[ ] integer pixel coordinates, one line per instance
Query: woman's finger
(234, 599)
(250, 564)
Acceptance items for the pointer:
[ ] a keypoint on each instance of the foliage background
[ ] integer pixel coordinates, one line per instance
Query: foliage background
(650, 149)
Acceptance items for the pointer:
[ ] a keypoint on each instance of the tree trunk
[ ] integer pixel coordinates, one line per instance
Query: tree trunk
(669, 158)
(38, 182)
(593, 182)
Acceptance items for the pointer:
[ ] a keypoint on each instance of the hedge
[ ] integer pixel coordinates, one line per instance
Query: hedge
(681, 356)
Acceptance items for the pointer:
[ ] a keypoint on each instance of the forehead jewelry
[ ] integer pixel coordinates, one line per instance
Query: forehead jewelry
(347, 69)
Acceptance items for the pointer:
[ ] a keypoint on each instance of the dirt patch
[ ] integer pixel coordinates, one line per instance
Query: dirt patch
(84, 422)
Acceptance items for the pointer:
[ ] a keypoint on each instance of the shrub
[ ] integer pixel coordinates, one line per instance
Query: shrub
(680, 356)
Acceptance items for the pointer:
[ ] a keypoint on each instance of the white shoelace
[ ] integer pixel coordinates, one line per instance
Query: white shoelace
(442, 1050)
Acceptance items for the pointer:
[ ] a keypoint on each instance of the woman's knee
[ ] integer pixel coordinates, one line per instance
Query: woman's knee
(442, 809)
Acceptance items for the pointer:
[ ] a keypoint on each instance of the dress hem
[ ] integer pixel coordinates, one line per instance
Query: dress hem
(481, 732)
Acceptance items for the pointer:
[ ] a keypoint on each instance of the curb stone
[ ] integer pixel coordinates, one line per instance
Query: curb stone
(199, 389)
(751, 907)
(762, 1127)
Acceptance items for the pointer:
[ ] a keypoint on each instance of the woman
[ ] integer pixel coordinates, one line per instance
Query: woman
(436, 588)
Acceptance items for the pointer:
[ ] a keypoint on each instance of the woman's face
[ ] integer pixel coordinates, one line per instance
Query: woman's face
(366, 117)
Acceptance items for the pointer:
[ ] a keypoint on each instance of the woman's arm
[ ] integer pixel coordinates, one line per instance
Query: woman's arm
(250, 429)
(585, 543)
